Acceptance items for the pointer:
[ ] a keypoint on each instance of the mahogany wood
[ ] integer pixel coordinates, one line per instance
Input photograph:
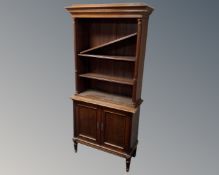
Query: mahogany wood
(109, 41)
(115, 41)
(111, 57)
(109, 78)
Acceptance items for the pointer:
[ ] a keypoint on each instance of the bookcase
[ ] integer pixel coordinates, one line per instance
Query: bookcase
(109, 52)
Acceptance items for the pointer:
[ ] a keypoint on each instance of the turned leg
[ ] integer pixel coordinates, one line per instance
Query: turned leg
(134, 153)
(128, 162)
(75, 146)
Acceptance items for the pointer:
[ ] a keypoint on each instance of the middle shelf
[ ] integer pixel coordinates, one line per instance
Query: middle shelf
(108, 78)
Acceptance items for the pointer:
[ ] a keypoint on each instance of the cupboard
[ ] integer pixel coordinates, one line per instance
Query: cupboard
(109, 47)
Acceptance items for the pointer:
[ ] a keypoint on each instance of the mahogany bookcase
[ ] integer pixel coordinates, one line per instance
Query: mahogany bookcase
(109, 53)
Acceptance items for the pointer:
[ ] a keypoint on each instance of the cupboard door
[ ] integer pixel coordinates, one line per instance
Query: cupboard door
(87, 122)
(116, 129)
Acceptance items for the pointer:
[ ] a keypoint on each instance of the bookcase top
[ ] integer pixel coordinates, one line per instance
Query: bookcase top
(110, 9)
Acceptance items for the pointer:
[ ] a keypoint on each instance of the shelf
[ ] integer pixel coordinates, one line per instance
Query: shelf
(108, 78)
(110, 57)
(106, 99)
(103, 96)
(109, 43)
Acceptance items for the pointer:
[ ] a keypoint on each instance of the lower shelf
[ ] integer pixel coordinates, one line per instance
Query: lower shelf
(106, 99)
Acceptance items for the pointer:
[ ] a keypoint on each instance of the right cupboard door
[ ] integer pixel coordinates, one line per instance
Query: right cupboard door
(115, 129)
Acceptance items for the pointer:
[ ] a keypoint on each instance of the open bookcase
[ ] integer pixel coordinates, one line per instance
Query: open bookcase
(109, 41)
(106, 59)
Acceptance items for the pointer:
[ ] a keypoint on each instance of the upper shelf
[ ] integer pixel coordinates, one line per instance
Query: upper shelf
(110, 57)
(109, 43)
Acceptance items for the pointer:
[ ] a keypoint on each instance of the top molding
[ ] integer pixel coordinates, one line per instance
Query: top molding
(123, 10)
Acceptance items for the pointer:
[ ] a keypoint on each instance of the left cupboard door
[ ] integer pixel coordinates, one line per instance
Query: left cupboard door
(87, 122)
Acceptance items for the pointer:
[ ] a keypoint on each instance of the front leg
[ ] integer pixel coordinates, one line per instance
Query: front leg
(75, 145)
(128, 162)
(134, 153)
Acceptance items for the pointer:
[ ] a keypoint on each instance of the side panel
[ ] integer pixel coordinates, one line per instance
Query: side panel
(135, 123)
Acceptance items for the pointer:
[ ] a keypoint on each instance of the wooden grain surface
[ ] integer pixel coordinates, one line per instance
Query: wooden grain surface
(106, 99)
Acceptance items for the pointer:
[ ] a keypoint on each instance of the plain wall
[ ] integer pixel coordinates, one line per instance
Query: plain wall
(178, 132)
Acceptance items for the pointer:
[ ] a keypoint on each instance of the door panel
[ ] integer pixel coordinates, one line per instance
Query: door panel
(115, 129)
(87, 122)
